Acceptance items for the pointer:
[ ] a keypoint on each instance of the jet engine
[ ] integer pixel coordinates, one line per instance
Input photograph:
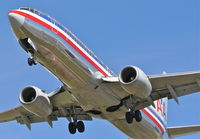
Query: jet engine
(135, 82)
(35, 101)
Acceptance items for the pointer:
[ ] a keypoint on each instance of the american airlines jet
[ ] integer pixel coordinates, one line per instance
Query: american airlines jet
(133, 102)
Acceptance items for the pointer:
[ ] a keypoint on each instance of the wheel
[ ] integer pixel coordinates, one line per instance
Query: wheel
(30, 62)
(34, 62)
(72, 128)
(138, 116)
(80, 126)
(129, 117)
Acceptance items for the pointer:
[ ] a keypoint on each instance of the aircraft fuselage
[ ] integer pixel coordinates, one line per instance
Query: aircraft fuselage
(69, 60)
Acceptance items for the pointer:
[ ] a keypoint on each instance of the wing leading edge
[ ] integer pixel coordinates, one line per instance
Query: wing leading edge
(168, 85)
(64, 105)
(175, 85)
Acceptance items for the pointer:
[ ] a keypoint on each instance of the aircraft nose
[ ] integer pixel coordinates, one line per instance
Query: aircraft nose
(16, 20)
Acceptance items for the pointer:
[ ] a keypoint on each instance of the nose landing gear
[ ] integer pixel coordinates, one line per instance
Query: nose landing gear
(31, 62)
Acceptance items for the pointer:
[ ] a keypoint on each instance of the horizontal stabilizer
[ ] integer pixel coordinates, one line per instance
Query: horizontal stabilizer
(182, 131)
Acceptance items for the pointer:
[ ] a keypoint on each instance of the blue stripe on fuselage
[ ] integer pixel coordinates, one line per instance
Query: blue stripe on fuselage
(158, 117)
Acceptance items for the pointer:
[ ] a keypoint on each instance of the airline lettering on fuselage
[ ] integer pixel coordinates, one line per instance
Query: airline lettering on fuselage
(161, 107)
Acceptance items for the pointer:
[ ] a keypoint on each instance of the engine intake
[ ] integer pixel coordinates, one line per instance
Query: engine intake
(28, 94)
(135, 82)
(35, 101)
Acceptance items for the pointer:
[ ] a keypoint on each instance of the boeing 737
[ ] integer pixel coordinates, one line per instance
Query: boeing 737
(133, 102)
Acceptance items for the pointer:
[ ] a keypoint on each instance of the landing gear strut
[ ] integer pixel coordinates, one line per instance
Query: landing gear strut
(31, 62)
(73, 126)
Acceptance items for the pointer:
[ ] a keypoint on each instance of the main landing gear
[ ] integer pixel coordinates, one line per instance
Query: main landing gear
(31, 62)
(133, 114)
(73, 126)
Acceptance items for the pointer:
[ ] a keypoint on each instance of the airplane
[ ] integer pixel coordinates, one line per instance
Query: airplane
(132, 101)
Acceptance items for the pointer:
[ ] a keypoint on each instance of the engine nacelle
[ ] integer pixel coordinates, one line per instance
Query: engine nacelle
(35, 101)
(135, 82)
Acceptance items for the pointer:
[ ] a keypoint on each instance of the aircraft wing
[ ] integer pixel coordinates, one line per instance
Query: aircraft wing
(62, 103)
(182, 131)
(174, 86)
(168, 85)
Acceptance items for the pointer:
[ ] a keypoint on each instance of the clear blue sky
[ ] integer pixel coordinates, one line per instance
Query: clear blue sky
(154, 35)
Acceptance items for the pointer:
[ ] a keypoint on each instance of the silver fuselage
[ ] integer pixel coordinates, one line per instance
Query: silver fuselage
(79, 76)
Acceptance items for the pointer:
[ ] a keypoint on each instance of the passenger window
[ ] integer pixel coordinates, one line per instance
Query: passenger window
(36, 12)
(32, 10)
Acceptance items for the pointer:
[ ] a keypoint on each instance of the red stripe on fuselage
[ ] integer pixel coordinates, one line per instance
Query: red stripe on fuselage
(63, 37)
(154, 120)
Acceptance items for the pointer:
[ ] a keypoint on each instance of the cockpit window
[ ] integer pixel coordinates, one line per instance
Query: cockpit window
(24, 8)
(31, 10)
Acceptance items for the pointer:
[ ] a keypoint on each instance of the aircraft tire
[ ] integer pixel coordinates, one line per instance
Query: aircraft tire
(138, 116)
(30, 62)
(129, 117)
(72, 128)
(80, 126)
